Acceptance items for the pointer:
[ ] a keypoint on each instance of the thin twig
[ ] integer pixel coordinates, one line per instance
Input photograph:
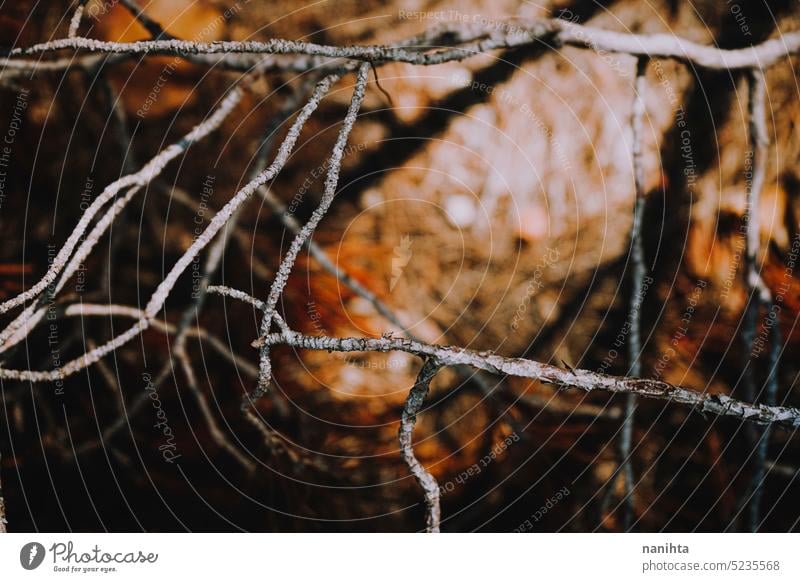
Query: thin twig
(226, 291)
(3, 520)
(138, 179)
(461, 42)
(637, 296)
(192, 312)
(150, 25)
(216, 432)
(329, 191)
(75, 21)
(162, 292)
(243, 237)
(760, 462)
(783, 470)
(758, 295)
(413, 405)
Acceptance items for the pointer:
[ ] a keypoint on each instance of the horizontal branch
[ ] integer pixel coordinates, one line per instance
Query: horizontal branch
(718, 404)
(445, 34)
(512, 33)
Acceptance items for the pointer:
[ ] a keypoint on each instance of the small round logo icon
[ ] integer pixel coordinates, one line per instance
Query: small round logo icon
(31, 555)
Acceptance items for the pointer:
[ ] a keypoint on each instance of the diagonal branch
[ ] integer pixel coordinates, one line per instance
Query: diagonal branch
(138, 179)
(162, 292)
(217, 434)
(331, 184)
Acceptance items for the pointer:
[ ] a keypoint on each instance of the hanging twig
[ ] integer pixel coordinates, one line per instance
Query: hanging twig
(625, 468)
(413, 405)
(3, 520)
(758, 296)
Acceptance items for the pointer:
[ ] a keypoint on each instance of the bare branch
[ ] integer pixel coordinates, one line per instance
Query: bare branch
(3, 520)
(408, 419)
(758, 292)
(162, 292)
(140, 178)
(21, 326)
(290, 222)
(329, 191)
(77, 16)
(513, 33)
(226, 291)
(150, 25)
(758, 295)
(586, 380)
(221, 218)
(637, 295)
(184, 329)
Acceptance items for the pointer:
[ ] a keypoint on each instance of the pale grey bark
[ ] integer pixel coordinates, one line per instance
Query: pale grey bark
(413, 405)
(329, 191)
(514, 33)
(586, 380)
(638, 274)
